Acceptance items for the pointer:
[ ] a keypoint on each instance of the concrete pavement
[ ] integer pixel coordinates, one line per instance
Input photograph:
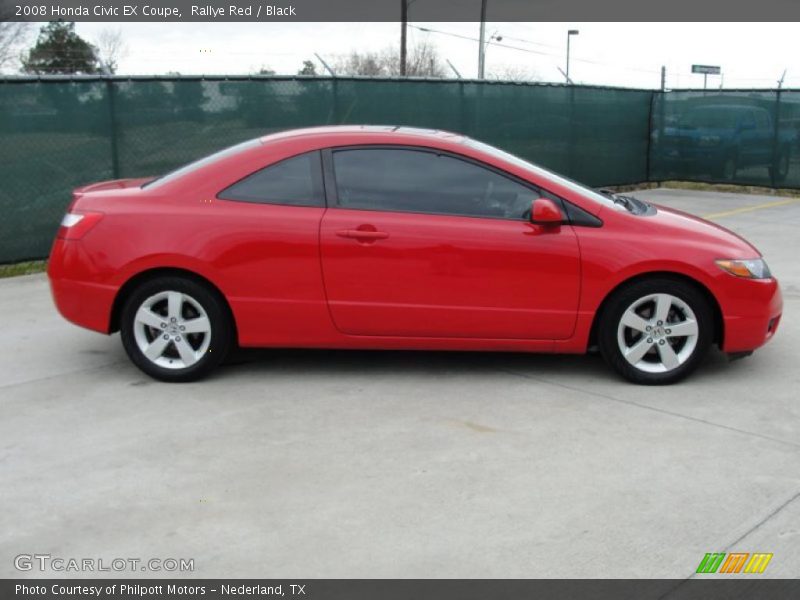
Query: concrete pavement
(392, 464)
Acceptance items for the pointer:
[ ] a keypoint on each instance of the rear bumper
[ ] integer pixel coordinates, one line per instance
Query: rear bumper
(694, 160)
(78, 299)
(753, 315)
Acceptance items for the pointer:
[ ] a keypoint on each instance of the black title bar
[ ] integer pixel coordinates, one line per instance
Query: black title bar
(745, 588)
(285, 11)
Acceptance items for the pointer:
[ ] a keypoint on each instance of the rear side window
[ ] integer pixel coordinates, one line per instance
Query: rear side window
(199, 164)
(295, 181)
(420, 181)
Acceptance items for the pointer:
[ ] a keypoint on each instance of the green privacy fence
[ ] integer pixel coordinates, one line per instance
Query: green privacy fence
(59, 133)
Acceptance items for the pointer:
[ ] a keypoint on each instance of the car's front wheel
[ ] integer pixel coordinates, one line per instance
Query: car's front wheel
(780, 169)
(656, 331)
(175, 329)
(728, 169)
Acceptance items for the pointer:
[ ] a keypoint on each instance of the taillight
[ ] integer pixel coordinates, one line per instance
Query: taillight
(75, 225)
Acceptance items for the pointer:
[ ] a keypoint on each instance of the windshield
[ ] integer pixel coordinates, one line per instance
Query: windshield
(711, 117)
(199, 164)
(541, 172)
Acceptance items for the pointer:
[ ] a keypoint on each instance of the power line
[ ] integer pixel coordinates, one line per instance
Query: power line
(530, 51)
(516, 39)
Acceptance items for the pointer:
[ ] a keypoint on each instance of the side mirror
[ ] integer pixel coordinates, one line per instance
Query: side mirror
(545, 212)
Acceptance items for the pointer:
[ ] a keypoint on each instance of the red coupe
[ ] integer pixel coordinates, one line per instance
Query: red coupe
(400, 238)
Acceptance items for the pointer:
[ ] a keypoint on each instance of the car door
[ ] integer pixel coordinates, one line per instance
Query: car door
(764, 137)
(263, 240)
(420, 243)
(748, 148)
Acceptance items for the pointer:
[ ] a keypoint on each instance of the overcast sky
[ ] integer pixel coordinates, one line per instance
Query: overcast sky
(624, 54)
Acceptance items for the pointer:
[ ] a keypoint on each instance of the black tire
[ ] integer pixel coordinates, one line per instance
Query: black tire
(728, 168)
(211, 352)
(780, 170)
(616, 307)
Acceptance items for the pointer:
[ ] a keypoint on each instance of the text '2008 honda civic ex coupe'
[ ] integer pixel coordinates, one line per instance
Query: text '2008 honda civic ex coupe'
(399, 238)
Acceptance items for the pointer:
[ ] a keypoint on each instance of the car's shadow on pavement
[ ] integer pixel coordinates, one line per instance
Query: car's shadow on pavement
(563, 368)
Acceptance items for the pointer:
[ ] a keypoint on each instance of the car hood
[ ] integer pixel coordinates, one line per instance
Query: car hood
(691, 227)
(696, 131)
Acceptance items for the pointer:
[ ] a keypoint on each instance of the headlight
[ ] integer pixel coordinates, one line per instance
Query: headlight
(754, 268)
(709, 140)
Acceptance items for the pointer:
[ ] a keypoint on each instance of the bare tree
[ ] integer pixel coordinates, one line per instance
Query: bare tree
(368, 64)
(111, 49)
(423, 61)
(13, 35)
(513, 73)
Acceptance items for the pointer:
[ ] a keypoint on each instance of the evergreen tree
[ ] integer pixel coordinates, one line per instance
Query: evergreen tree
(60, 50)
(309, 68)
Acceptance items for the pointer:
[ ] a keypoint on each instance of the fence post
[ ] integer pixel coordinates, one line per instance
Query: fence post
(112, 116)
(461, 109)
(335, 100)
(571, 133)
(773, 172)
(649, 144)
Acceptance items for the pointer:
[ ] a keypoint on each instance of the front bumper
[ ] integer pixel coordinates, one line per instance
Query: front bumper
(695, 160)
(752, 315)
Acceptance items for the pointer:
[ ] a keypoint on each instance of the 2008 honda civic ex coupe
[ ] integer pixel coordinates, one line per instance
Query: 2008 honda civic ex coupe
(399, 238)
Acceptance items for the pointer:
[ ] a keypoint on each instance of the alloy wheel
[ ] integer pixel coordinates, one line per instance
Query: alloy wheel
(657, 333)
(172, 330)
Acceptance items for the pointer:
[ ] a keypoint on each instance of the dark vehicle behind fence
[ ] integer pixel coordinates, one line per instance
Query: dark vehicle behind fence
(721, 139)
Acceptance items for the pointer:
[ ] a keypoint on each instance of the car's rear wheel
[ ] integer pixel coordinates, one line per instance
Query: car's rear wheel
(656, 331)
(175, 329)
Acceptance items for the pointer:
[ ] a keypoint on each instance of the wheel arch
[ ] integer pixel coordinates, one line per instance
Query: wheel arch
(719, 323)
(134, 281)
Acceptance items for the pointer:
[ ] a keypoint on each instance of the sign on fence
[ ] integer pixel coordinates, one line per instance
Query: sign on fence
(706, 69)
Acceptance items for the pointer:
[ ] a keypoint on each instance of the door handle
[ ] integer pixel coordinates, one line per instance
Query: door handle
(362, 234)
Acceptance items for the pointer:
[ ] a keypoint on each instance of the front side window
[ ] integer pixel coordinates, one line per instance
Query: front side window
(295, 181)
(421, 181)
(748, 121)
(538, 171)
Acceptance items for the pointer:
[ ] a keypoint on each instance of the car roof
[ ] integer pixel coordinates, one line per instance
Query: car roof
(400, 131)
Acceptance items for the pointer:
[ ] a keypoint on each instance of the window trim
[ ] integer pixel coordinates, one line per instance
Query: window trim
(332, 192)
(319, 168)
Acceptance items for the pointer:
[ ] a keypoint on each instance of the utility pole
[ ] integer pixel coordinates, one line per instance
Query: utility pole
(403, 33)
(481, 44)
(570, 33)
(663, 78)
(780, 81)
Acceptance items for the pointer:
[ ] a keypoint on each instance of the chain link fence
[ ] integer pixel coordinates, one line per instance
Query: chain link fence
(747, 137)
(58, 133)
